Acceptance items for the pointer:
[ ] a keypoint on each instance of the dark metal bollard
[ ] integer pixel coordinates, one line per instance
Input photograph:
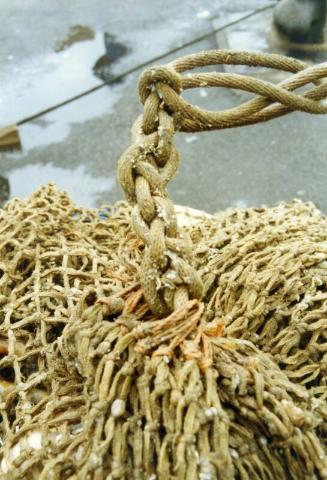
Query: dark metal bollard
(301, 21)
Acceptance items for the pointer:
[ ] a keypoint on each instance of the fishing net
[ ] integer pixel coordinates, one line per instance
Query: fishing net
(136, 347)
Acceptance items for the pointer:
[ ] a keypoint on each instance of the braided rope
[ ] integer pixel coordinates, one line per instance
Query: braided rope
(168, 278)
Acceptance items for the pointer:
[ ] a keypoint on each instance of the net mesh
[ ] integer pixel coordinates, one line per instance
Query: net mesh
(94, 386)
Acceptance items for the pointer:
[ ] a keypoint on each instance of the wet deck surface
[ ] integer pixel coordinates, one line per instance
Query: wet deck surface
(73, 126)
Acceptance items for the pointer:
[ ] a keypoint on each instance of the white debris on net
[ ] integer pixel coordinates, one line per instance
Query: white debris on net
(211, 412)
(296, 414)
(75, 291)
(161, 130)
(95, 460)
(197, 457)
(303, 305)
(187, 217)
(76, 429)
(205, 470)
(158, 284)
(316, 403)
(4, 466)
(15, 451)
(233, 453)
(118, 408)
(206, 476)
(56, 437)
(263, 441)
(77, 364)
(174, 259)
(236, 380)
(79, 453)
(33, 439)
(172, 276)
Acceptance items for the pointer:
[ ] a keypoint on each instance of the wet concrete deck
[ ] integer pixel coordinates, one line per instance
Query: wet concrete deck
(73, 127)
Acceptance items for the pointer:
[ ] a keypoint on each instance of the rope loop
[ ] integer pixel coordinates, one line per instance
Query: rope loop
(168, 276)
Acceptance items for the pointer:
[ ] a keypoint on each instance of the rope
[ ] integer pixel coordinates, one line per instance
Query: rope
(168, 277)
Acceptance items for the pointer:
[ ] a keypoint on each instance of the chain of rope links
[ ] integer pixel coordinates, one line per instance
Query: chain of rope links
(167, 275)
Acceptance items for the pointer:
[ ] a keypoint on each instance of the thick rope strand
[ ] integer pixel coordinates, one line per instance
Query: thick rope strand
(167, 274)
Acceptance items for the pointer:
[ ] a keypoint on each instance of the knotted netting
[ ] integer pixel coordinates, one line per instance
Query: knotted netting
(133, 347)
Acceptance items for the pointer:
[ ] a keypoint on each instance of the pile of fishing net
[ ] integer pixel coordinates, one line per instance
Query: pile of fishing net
(93, 386)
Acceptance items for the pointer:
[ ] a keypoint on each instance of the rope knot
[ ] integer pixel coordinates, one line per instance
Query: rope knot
(158, 74)
(167, 272)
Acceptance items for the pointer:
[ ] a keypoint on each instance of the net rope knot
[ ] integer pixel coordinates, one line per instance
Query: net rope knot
(158, 74)
(167, 274)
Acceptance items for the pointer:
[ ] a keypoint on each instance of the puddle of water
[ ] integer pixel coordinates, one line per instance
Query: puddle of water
(82, 187)
(33, 84)
(44, 81)
(114, 51)
(55, 126)
(76, 34)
